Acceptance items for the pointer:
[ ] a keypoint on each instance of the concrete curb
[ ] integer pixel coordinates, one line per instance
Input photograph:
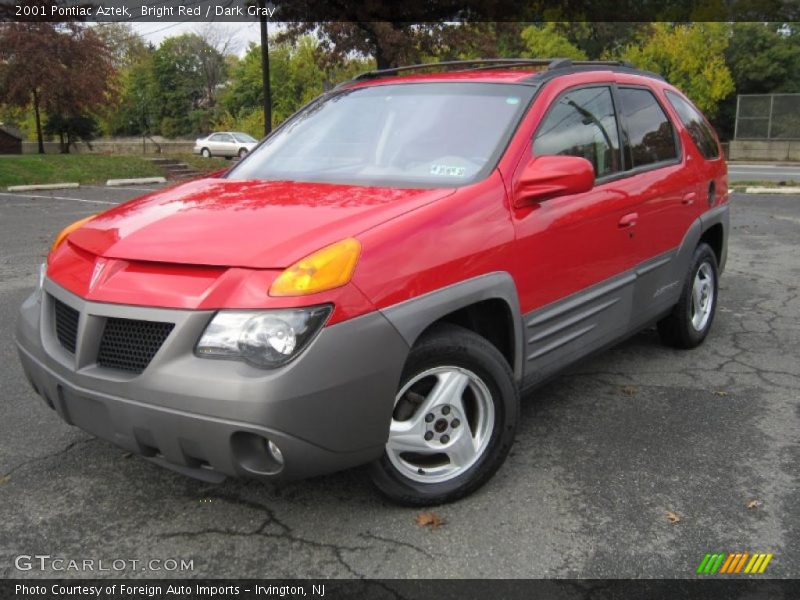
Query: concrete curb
(137, 181)
(43, 186)
(772, 190)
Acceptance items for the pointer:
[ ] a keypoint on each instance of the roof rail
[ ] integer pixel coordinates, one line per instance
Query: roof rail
(566, 63)
(491, 63)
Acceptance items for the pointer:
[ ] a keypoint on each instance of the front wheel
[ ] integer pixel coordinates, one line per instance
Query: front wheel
(242, 153)
(206, 153)
(454, 419)
(690, 320)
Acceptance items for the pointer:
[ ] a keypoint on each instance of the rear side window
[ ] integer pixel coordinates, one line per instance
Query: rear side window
(582, 123)
(651, 137)
(698, 128)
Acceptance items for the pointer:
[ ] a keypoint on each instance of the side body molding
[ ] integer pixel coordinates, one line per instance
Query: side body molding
(412, 317)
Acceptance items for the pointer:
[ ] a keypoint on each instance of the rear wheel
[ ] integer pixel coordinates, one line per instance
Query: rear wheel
(454, 419)
(690, 320)
(206, 153)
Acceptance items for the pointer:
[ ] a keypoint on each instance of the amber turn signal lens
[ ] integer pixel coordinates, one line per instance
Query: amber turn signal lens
(325, 269)
(62, 235)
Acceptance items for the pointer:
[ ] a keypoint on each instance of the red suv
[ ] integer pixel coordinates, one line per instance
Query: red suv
(380, 279)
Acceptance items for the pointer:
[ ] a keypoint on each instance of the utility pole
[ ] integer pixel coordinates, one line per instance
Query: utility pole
(265, 67)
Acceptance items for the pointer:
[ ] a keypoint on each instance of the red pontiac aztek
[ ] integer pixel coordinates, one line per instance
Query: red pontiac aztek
(380, 278)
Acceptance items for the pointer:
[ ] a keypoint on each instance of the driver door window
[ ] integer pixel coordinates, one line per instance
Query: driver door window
(582, 123)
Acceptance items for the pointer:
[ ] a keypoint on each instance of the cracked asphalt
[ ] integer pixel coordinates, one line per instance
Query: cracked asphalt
(603, 455)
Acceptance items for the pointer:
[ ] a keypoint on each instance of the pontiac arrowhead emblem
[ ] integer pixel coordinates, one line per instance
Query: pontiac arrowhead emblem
(99, 266)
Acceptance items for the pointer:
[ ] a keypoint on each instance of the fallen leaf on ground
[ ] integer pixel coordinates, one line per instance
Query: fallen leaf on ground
(4, 479)
(429, 519)
(672, 517)
(754, 504)
(629, 390)
(721, 394)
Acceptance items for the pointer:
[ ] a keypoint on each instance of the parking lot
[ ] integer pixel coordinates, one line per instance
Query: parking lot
(634, 464)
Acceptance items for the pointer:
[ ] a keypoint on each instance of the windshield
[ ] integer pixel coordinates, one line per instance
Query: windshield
(244, 138)
(417, 135)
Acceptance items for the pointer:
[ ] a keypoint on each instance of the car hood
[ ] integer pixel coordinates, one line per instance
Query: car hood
(253, 224)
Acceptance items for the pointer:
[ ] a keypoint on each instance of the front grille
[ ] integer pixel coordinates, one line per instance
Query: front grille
(66, 325)
(130, 345)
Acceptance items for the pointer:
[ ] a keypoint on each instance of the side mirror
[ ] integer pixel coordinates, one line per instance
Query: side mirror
(547, 177)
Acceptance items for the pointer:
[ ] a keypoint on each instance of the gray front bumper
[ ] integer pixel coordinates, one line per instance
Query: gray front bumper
(329, 409)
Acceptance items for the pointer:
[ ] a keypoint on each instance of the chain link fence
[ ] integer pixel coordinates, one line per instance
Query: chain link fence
(767, 117)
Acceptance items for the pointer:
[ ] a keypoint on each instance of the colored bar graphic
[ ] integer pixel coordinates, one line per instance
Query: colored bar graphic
(752, 562)
(718, 564)
(741, 561)
(727, 564)
(765, 563)
(702, 567)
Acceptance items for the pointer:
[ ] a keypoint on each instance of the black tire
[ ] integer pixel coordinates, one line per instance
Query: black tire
(242, 153)
(449, 345)
(206, 153)
(677, 329)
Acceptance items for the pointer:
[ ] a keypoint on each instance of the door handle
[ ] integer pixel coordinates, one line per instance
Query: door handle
(628, 220)
(689, 198)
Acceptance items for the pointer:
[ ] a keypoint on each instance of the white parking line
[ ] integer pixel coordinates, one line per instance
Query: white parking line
(57, 198)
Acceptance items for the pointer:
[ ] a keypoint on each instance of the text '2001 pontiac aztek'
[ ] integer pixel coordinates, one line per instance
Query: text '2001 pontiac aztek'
(382, 276)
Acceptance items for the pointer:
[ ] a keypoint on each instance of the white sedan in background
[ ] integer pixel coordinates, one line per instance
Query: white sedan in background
(225, 143)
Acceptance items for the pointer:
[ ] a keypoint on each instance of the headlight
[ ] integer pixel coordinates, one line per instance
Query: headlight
(264, 338)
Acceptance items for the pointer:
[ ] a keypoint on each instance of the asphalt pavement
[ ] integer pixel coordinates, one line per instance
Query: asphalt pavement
(635, 463)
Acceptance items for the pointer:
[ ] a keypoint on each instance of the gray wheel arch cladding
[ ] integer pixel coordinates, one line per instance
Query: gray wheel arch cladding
(412, 317)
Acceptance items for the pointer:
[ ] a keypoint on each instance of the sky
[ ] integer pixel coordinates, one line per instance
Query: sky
(156, 32)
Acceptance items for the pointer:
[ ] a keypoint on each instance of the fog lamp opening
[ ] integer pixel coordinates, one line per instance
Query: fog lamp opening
(256, 454)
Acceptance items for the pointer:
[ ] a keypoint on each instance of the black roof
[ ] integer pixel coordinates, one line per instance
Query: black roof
(10, 132)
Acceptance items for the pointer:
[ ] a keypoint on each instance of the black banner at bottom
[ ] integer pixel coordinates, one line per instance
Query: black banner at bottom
(400, 589)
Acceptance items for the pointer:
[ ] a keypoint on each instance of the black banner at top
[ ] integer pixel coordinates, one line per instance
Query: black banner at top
(399, 10)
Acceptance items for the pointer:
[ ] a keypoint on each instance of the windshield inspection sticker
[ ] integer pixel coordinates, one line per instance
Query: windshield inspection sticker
(512, 100)
(448, 171)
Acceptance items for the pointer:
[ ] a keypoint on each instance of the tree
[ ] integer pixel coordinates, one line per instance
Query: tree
(298, 73)
(70, 129)
(219, 43)
(187, 72)
(691, 56)
(545, 41)
(763, 58)
(64, 69)
(601, 40)
(125, 46)
(390, 43)
(244, 91)
(138, 109)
